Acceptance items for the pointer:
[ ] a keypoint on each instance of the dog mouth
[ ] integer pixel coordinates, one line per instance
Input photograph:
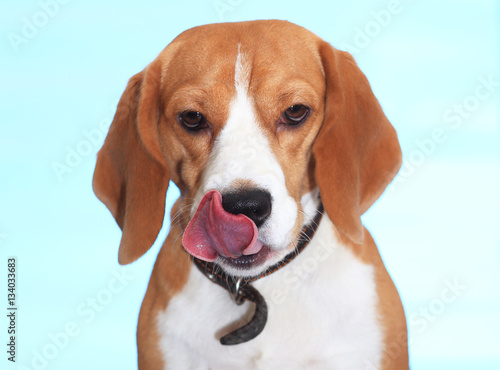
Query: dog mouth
(229, 240)
(246, 262)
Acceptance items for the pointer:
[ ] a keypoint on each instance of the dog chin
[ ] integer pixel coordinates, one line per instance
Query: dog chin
(254, 264)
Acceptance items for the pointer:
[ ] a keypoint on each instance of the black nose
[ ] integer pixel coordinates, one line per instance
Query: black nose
(255, 204)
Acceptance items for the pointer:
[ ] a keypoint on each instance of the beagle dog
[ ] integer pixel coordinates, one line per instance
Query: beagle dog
(278, 146)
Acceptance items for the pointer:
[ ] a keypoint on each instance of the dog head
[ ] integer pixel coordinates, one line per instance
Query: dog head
(248, 120)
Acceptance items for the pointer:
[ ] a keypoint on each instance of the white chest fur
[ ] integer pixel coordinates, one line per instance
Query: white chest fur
(322, 315)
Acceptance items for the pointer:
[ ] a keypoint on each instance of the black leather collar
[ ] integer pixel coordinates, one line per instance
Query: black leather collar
(241, 290)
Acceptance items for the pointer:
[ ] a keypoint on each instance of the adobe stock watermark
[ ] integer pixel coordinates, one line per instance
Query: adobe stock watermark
(90, 144)
(85, 312)
(224, 6)
(429, 313)
(455, 117)
(30, 26)
(380, 20)
(295, 275)
(241, 158)
(419, 321)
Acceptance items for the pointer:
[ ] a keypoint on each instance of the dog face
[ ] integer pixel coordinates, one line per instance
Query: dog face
(247, 119)
(246, 131)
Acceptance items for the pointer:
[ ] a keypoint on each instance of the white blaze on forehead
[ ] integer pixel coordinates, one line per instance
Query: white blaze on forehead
(241, 73)
(242, 152)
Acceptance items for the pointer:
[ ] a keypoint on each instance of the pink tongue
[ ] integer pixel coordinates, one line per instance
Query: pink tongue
(214, 231)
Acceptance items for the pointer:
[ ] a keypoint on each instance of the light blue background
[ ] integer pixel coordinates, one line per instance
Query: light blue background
(438, 224)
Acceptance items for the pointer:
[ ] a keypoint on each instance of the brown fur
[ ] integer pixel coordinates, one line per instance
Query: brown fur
(347, 147)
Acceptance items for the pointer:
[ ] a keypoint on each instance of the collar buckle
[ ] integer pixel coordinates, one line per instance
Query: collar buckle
(236, 292)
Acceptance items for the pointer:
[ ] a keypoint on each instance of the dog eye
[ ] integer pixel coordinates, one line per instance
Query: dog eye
(294, 115)
(192, 120)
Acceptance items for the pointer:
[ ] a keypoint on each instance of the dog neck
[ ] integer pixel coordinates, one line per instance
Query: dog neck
(241, 290)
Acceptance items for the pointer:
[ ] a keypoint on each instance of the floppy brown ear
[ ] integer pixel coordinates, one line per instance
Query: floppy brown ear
(131, 177)
(357, 151)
